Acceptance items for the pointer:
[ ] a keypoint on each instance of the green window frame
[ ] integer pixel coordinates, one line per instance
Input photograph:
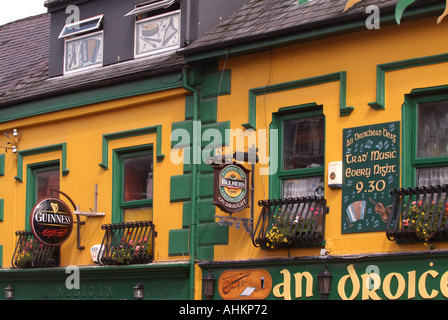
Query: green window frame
(31, 187)
(306, 111)
(412, 162)
(119, 203)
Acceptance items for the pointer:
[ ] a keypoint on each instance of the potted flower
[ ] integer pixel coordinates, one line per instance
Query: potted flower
(425, 220)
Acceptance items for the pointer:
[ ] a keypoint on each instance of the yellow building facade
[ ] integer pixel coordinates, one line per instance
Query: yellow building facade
(227, 98)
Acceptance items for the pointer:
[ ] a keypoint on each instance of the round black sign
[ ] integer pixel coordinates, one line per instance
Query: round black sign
(51, 221)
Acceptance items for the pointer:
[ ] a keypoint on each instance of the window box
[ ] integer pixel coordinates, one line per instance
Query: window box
(419, 215)
(127, 243)
(290, 222)
(30, 253)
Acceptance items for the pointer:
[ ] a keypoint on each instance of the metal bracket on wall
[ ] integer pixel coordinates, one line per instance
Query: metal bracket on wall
(91, 213)
(78, 213)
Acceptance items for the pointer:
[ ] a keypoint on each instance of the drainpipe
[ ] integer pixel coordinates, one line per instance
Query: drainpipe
(196, 143)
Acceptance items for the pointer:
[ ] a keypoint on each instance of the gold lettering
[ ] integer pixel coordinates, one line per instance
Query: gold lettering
(370, 293)
(411, 284)
(400, 289)
(309, 284)
(422, 285)
(285, 285)
(444, 284)
(355, 282)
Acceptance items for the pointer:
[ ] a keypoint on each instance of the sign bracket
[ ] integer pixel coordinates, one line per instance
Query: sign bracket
(78, 221)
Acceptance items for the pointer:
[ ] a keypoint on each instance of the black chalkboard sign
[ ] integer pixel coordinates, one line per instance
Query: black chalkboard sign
(371, 167)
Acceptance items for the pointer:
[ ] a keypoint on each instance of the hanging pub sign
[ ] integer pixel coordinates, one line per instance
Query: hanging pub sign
(371, 168)
(231, 187)
(51, 221)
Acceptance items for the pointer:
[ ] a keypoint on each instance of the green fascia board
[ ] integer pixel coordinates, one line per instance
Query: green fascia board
(86, 97)
(307, 34)
(56, 147)
(131, 133)
(344, 110)
(381, 69)
(178, 242)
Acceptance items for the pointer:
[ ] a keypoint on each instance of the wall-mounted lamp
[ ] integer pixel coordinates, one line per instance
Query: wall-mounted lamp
(208, 285)
(324, 280)
(9, 292)
(138, 291)
(15, 139)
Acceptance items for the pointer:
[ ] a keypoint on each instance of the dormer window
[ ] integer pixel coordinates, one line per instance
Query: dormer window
(157, 25)
(83, 48)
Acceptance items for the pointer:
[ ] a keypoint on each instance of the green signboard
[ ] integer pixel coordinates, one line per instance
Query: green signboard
(371, 162)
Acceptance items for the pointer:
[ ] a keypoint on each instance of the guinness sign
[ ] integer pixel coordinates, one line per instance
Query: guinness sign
(51, 221)
(231, 187)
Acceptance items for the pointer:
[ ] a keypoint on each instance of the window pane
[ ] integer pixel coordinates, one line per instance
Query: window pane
(137, 178)
(157, 33)
(83, 52)
(137, 214)
(432, 176)
(432, 135)
(45, 181)
(303, 187)
(303, 143)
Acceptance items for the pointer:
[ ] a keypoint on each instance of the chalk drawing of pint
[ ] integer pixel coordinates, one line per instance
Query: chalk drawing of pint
(356, 211)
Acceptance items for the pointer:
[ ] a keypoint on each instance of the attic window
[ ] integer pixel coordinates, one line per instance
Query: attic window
(83, 26)
(83, 47)
(157, 25)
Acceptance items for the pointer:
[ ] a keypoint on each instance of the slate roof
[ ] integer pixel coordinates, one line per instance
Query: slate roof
(24, 52)
(264, 19)
(24, 45)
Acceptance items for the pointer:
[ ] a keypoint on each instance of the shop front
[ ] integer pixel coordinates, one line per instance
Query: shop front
(406, 276)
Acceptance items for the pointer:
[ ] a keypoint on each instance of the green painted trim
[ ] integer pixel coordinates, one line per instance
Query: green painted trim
(56, 147)
(296, 84)
(2, 165)
(86, 97)
(31, 186)
(180, 187)
(288, 113)
(118, 180)
(131, 133)
(216, 84)
(2, 210)
(381, 69)
(409, 136)
(178, 244)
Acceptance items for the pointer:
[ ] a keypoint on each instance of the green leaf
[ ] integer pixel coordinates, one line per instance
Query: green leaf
(401, 6)
(303, 1)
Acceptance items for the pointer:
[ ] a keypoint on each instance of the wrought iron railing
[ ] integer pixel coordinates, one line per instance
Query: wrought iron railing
(291, 222)
(127, 243)
(418, 215)
(30, 253)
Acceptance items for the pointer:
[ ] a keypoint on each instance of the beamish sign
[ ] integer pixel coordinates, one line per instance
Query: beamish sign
(51, 221)
(231, 187)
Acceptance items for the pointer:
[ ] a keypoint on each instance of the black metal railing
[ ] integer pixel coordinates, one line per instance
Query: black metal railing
(418, 215)
(30, 253)
(290, 222)
(127, 243)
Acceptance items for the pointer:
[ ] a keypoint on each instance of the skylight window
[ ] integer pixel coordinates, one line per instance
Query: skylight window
(82, 26)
